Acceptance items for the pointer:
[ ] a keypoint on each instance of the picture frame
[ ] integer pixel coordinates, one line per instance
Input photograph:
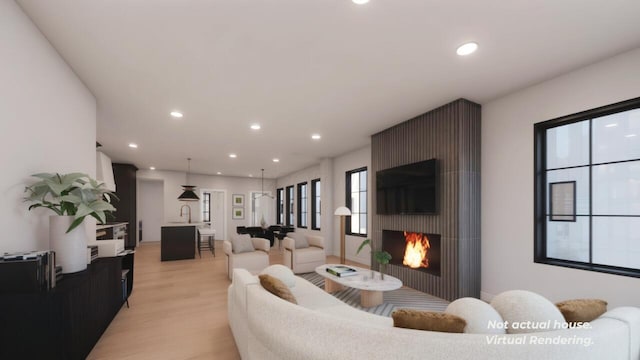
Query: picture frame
(237, 213)
(237, 200)
(562, 201)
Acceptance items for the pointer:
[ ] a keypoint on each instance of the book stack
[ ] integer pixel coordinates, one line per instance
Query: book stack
(27, 272)
(341, 270)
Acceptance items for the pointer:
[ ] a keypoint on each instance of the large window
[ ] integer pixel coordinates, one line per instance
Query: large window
(316, 208)
(587, 190)
(280, 206)
(289, 209)
(206, 207)
(357, 201)
(302, 205)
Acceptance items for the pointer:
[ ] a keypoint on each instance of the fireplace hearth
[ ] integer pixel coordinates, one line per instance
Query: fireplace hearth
(414, 250)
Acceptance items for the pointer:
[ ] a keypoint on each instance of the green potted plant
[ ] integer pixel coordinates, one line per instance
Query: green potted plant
(382, 257)
(72, 197)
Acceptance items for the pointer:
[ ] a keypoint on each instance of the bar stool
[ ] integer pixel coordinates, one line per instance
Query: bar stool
(210, 235)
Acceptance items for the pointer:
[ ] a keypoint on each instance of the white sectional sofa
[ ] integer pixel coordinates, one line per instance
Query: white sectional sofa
(322, 327)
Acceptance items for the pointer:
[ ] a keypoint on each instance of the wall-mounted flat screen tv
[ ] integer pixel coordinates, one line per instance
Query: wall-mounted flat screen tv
(408, 189)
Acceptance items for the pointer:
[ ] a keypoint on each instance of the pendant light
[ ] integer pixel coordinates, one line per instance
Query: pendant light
(263, 193)
(188, 194)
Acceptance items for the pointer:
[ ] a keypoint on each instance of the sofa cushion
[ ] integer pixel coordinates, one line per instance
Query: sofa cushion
(527, 312)
(309, 255)
(481, 318)
(301, 240)
(277, 288)
(427, 320)
(241, 244)
(582, 310)
(282, 273)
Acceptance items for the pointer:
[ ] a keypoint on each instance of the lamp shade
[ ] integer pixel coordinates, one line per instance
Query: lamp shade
(342, 211)
(188, 194)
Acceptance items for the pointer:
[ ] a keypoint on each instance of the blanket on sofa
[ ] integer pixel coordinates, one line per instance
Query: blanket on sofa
(404, 297)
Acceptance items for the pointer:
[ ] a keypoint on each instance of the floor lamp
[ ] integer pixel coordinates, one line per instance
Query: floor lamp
(342, 212)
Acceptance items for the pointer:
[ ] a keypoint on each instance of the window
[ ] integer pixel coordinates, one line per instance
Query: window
(587, 190)
(280, 206)
(289, 206)
(302, 205)
(206, 207)
(357, 201)
(316, 208)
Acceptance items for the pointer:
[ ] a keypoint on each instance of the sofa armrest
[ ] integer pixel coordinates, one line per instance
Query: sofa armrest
(227, 248)
(317, 241)
(261, 244)
(289, 243)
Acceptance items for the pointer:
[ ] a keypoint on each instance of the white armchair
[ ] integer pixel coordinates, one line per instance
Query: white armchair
(304, 259)
(253, 261)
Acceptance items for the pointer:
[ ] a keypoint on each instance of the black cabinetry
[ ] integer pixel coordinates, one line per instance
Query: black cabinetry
(125, 178)
(67, 321)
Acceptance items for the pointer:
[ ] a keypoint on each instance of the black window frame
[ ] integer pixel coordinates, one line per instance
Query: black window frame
(206, 207)
(541, 194)
(348, 200)
(315, 210)
(280, 206)
(289, 196)
(303, 211)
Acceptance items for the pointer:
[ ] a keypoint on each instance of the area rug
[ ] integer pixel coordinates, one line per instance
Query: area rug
(402, 298)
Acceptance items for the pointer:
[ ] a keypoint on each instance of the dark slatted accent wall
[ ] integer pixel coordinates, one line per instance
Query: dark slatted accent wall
(450, 134)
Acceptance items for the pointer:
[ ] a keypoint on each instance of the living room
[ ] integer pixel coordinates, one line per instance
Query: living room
(77, 74)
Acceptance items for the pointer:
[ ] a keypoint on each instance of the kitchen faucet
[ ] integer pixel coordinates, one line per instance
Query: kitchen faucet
(188, 207)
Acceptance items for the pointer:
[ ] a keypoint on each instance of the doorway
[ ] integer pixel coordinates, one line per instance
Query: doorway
(150, 209)
(212, 205)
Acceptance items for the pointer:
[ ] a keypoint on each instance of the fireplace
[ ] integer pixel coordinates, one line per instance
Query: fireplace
(413, 250)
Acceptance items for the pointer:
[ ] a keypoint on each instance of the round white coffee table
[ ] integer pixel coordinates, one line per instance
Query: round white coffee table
(370, 289)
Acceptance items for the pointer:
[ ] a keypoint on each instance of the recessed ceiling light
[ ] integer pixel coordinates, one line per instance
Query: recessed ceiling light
(176, 114)
(611, 125)
(360, 2)
(152, 167)
(134, 146)
(316, 136)
(255, 126)
(250, 175)
(276, 160)
(233, 156)
(467, 49)
(630, 135)
(218, 173)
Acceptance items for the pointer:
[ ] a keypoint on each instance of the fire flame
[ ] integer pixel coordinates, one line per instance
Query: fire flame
(415, 253)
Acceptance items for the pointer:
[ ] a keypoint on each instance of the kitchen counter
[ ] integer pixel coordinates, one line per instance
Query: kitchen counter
(107, 226)
(174, 224)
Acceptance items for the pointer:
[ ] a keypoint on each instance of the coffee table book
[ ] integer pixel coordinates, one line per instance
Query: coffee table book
(341, 271)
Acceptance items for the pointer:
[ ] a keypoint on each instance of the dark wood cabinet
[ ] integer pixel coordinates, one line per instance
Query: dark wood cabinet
(178, 243)
(125, 178)
(67, 321)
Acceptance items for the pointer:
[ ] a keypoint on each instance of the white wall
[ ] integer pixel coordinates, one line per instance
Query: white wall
(47, 124)
(507, 182)
(342, 164)
(233, 185)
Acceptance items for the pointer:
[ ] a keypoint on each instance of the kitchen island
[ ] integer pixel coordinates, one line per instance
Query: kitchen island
(178, 241)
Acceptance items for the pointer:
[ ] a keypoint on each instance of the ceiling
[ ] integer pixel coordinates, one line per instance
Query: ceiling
(297, 67)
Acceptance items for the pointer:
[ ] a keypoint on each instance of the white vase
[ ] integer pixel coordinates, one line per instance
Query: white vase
(70, 248)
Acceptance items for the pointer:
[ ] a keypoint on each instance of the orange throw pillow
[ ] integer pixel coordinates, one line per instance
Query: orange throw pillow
(426, 320)
(277, 288)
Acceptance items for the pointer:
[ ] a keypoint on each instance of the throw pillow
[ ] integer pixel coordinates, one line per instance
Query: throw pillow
(527, 312)
(241, 244)
(301, 240)
(426, 320)
(582, 310)
(281, 273)
(277, 288)
(481, 318)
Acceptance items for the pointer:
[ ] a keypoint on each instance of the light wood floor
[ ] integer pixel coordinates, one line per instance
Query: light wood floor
(178, 310)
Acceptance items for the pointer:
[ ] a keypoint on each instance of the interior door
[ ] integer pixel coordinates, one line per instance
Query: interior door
(217, 214)
(150, 208)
